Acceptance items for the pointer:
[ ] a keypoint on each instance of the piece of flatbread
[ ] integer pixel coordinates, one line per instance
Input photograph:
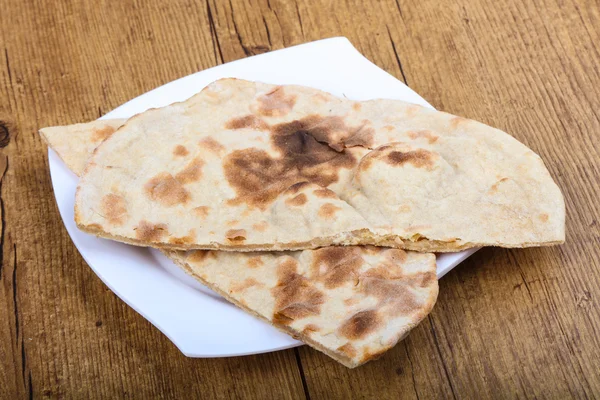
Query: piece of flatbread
(82, 140)
(251, 166)
(352, 303)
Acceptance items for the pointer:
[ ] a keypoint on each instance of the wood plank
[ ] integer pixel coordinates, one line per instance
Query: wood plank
(508, 322)
(12, 366)
(72, 337)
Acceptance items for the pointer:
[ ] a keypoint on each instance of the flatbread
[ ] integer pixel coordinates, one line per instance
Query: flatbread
(239, 164)
(75, 144)
(352, 303)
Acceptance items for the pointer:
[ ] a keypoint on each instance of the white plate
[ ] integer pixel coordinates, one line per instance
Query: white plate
(198, 321)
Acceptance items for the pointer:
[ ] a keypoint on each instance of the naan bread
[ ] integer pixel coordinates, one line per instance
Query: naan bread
(352, 303)
(251, 166)
(75, 144)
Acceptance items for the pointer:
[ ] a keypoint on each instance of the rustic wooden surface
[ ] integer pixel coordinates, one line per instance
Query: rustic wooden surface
(508, 323)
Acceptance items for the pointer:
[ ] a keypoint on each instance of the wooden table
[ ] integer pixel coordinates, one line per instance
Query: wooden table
(508, 323)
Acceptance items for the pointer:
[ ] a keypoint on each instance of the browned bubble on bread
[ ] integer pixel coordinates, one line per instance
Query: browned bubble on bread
(418, 158)
(101, 134)
(192, 172)
(167, 190)
(294, 296)
(114, 208)
(276, 103)
(259, 177)
(180, 151)
(148, 232)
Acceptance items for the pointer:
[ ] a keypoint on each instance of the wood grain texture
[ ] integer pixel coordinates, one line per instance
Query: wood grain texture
(508, 323)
